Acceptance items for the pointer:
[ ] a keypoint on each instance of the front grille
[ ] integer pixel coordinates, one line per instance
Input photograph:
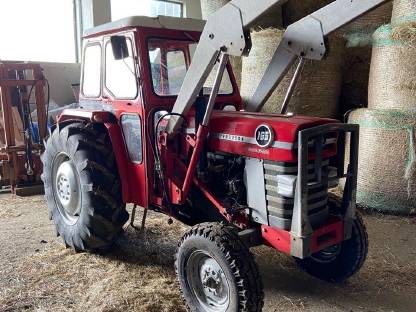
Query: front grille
(280, 208)
(329, 140)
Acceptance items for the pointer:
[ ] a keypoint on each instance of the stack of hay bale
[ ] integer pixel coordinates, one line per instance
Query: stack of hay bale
(358, 56)
(273, 19)
(319, 88)
(387, 165)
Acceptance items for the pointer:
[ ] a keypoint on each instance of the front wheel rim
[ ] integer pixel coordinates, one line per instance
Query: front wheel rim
(66, 188)
(208, 282)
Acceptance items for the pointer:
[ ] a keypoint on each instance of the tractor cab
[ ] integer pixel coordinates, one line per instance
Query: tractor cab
(134, 68)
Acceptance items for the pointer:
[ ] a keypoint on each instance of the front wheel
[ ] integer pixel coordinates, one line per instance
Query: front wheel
(217, 272)
(339, 262)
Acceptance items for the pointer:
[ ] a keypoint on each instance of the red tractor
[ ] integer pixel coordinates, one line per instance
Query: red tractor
(162, 125)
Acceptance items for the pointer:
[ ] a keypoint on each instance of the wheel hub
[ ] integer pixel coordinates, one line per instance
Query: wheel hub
(212, 281)
(208, 282)
(67, 189)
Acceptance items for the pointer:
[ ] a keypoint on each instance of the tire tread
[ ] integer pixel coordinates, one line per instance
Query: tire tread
(107, 213)
(240, 259)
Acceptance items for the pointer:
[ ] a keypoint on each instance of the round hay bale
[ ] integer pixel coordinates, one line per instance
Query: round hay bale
(372, 20)
(392, 82)
(405, 33)
(237, 64)
(359, 32)
(358, 56)
(264, 43)
(318, 89)
(387, 160)
(356, 74)
(404, 11)
(294, 10)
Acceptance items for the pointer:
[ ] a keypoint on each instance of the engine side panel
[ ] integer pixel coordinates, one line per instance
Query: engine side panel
(256, 197)
(234, 133)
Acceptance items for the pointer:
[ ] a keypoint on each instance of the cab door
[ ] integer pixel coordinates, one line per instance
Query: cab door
(122, 89)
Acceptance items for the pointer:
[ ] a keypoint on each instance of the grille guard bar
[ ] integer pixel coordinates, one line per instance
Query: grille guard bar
(301, 229)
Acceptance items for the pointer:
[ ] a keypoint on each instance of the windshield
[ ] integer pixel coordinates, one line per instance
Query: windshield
(170, 60)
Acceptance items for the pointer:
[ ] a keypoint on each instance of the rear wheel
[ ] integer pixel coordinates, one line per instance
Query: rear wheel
(339, 262)
(82, 187)
(217, 272)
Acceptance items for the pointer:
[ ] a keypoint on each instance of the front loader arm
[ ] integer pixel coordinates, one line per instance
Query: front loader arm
(305, 39)
(226, 32)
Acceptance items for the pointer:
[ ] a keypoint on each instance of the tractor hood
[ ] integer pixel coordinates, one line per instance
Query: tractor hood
(264, 136)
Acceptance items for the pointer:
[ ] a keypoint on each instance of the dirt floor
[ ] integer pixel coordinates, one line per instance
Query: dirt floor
(37, 273)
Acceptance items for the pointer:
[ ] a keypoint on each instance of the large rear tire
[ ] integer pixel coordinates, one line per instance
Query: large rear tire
(339, 262)
(82, 187)
(217, 272)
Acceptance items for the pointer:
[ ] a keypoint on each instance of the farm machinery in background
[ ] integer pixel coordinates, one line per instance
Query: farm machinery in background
(162, 125)
(22, 90)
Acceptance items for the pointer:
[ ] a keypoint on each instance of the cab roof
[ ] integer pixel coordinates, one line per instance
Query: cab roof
(163, 22)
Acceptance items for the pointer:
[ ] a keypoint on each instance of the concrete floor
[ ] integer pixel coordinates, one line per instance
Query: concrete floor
(36, 270)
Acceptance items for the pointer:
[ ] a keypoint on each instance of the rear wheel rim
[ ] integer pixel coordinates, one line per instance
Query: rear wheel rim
(66, 188)
(208, 282)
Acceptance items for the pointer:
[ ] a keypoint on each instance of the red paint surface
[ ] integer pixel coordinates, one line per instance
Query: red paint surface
(245, 124)
(330, 234)
(276, 238)
(333, 232)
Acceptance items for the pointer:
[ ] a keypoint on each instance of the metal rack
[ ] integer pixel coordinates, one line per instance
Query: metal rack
(20, 165)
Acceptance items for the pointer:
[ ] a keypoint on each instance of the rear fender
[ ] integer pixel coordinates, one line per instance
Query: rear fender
(107, 119)
(91, 116)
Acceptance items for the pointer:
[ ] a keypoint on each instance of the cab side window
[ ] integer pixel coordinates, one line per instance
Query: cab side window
(120, 74)
(91, 86)
(132, 131)
(176, 70)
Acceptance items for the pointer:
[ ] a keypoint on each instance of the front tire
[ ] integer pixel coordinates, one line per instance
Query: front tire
(217, 272)
(339, 262)
(82, 187)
